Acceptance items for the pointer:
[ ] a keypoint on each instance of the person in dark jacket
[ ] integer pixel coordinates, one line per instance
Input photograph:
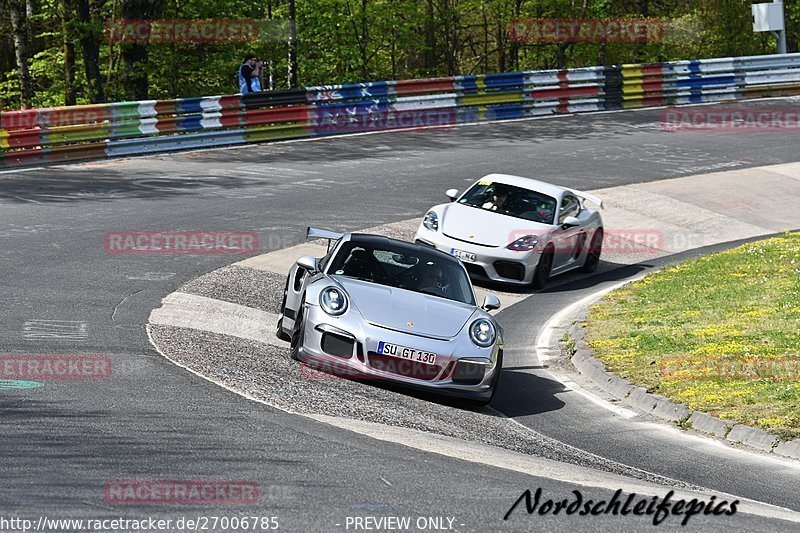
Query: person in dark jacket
(250, 73)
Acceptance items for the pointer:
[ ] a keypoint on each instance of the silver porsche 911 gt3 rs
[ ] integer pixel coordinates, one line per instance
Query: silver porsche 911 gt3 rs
(516, 230)
(380, 308)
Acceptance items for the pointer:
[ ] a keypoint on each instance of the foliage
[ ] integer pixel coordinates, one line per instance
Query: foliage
(719, 333)
(345, 41)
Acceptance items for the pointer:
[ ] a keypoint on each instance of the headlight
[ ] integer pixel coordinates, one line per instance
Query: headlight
(431, 221)
(524, 244)
(333, 301)
(482, 332)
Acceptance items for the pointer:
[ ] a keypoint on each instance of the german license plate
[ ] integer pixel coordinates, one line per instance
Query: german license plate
(403, 352)
(464, 256)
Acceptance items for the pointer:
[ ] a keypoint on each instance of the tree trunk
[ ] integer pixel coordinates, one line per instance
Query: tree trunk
(19, 27)
(90, 50)
(430, 40)
(69, 53)
(363, 43)
(135, 55)
(292, 45)
(500, 37)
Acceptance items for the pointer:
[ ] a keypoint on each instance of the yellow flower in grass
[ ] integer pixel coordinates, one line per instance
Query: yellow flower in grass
(721, 349)
(779, 422)
(605, 343)
(717, 329)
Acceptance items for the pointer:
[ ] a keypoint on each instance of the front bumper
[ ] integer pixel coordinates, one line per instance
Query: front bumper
(498, 264)
(347, 346)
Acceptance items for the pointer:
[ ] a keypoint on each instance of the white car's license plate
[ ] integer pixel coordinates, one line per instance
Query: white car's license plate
(464, 256)
(403, 352)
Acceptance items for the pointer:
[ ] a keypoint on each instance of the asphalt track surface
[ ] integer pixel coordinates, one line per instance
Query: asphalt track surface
(61, 443)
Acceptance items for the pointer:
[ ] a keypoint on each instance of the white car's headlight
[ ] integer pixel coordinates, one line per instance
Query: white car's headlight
(431, 221)
(482, 332)
(333, 301)
(524, 244)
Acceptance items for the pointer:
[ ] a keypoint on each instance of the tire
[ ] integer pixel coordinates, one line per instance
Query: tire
(543, 269)
(279, 328)
(298, 334)
(593, 254)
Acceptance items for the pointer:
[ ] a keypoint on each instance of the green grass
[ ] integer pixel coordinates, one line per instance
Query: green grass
(720, 333)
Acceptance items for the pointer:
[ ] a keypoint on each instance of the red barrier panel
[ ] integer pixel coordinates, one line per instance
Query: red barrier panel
(267, 116)
(428, 85)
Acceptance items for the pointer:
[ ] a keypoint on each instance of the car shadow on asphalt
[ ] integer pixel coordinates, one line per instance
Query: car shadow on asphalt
(522, 393)
(609, 272)
(510, 399)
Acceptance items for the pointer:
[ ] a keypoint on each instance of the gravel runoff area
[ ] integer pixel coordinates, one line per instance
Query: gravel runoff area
(264, 370)
(259, 289)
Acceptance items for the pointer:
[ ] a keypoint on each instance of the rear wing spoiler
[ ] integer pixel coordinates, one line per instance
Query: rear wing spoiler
(316, 233)
(586, 196)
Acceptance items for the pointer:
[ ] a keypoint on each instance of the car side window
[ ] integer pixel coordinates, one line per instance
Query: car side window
(324, 261)
(570, 207)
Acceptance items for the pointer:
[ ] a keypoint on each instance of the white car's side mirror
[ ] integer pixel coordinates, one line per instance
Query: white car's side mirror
(491, 302)
(452, 194)
(308, 262)
(571, 222)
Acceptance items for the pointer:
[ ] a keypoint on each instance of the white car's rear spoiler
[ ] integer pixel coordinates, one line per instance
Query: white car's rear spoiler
(316, 233)
(586, 196)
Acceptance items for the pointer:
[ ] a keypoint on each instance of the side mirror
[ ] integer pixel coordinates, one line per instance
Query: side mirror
(308, 262)
(452, 194)
(491, 302)
(571, 222)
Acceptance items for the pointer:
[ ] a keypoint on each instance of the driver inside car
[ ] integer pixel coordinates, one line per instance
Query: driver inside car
(431, 279)
(498, 201)
(359, 264)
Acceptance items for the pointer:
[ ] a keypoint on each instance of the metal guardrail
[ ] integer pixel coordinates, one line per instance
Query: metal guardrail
(50, 135)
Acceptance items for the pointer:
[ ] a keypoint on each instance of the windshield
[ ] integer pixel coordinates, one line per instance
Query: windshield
(512, 201)
(418, 271)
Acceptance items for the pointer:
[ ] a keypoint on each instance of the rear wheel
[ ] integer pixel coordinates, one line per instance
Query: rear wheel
(593, 254)
(279, 328)
(298, 334)
(543, 269)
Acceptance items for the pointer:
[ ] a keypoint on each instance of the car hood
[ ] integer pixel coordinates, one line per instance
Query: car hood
(395, 308)
(479, 226)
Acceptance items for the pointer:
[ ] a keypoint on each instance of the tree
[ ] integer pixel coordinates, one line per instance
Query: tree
(19, 26)
(69, 52)
(90, 48)
(135, 55)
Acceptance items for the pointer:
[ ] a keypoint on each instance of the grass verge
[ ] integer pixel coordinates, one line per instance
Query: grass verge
(720, 334)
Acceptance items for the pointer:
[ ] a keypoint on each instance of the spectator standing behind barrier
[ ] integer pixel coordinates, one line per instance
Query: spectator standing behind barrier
(250, 73)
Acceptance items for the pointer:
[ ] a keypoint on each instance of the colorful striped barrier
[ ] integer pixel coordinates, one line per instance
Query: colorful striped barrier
(39, 136)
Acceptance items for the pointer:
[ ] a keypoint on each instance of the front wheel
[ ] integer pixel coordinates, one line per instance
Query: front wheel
(592, 260)
(298, 334)
(279, 328)
(543, 269)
